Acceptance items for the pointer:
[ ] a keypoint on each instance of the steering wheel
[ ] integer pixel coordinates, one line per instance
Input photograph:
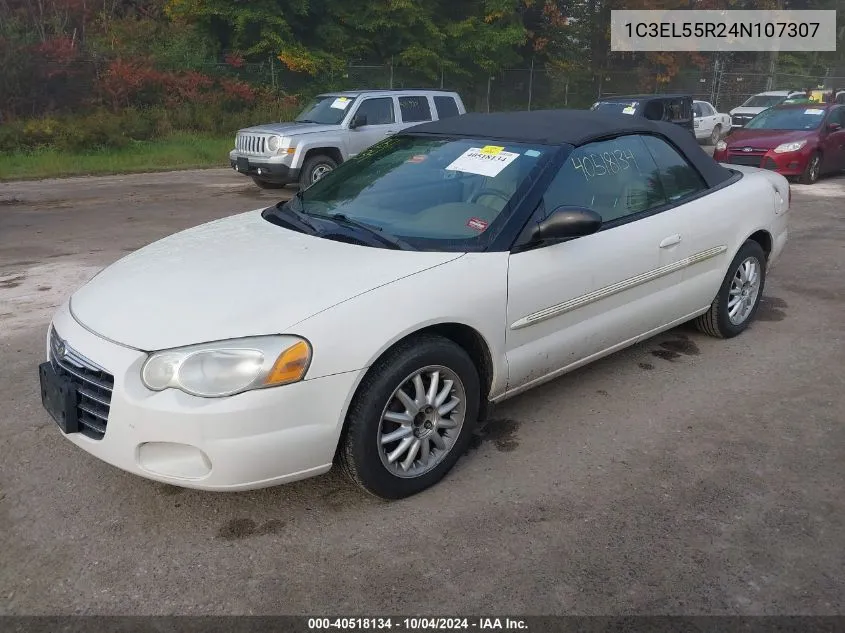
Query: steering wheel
(491, 192)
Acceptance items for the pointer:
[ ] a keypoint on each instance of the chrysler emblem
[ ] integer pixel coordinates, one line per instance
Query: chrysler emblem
(746, 149)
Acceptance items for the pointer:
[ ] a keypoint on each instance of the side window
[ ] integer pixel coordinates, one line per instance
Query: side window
(677, 110)
(706, 110)
(699, 109)
(445, 107)
(414, 109)
(615, 178)
(838, 116)
(678, 177)
(378, 111)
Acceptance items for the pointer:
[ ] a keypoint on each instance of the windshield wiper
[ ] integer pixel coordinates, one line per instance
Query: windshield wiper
(378, 233)
(301, 218)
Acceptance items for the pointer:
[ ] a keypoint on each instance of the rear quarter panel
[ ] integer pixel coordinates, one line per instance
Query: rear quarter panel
(758, 201)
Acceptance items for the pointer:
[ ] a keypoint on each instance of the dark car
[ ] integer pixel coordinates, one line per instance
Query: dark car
(803, 140)
(675, 109)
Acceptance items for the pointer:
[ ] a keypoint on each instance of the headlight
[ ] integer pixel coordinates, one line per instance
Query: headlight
(790, 147)
(273, 143)
(224, 368)
(721, 146)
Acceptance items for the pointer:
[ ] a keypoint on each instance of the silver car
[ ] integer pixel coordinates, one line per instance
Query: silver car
(333, 128)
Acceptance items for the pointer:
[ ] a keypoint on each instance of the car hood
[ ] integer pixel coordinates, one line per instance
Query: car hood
(239, 276)
(290, 129)
(747, 110)
(766, 139)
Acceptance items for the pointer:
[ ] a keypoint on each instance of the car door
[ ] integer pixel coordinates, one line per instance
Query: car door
(414, 109)
(576, 300)
(711, 116)
(703, 123)
(380, 113)
(833, 140)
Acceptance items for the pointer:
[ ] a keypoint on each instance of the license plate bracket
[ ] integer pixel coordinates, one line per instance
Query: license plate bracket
(243, 164)
(59, 396)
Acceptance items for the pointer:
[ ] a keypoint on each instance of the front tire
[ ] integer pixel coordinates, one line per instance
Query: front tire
(411, 418)
(316, 168)
(813, 170)
(739, 296)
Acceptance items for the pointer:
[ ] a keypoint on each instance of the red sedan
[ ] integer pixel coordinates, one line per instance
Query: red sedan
(803, 140)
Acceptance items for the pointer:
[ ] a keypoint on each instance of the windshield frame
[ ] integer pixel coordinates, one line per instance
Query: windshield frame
(502, 232)
(772, 111)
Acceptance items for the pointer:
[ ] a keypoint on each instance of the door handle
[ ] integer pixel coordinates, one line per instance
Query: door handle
(670, 241)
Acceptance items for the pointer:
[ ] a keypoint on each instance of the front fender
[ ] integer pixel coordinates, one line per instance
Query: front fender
(334, 140)
(470, 290)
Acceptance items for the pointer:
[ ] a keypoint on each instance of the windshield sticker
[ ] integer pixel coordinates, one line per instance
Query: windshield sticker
(492, 149)
(533, 153)
(605, 163)
(813, 111)
(477, 223)
(416, 159)
(341, 103)
(475, 161)
(629, 109)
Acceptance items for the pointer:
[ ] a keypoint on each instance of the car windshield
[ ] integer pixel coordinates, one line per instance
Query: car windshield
(787, 119)
(618, 107)
(763, 101)
(443, 194)
(325, 110)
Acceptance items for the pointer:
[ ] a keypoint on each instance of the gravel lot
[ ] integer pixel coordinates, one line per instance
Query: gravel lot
(685, 475)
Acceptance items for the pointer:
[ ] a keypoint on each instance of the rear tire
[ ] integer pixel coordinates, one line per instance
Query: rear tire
(716, 135)
(264, 184)
(315, 168)
(383, 466)
(813, 170)
(739, 296)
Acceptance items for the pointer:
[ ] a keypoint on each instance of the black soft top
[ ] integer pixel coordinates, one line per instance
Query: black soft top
(573, 127)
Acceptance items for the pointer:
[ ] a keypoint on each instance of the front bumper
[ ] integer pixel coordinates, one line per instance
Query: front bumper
(786, 164)
(269, 171)
(252, 440)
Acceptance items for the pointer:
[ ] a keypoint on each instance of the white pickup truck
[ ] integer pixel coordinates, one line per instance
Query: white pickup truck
(710, 125)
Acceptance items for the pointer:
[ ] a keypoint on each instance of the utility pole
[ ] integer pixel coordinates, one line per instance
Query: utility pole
(531, 84)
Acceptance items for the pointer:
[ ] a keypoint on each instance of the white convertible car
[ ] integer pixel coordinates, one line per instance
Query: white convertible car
(372, 319)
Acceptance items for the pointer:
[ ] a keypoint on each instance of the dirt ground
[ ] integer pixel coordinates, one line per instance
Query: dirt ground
(685, 475)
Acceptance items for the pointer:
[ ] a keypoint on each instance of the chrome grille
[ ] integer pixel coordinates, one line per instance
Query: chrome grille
(251, 143)
(93, 385)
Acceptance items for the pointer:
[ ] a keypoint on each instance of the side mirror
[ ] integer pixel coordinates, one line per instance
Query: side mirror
(359, 120)
(834, 127)
(566, 222)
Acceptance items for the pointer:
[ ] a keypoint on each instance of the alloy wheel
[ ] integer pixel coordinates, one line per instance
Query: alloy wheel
(421, 421)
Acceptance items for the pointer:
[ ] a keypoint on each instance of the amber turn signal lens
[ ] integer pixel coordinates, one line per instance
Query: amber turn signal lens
(291, 365)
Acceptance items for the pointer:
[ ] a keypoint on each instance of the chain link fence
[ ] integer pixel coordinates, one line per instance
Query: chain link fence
(67, 87)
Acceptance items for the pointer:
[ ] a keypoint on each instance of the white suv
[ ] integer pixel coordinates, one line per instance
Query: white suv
(333, 128)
